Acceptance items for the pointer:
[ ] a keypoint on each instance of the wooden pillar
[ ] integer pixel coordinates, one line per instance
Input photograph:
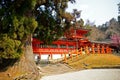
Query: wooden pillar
(78, 51)
(107, 49)
(65, 58)
(60, 51)
(61, 54)
(86, 50)
(51, 56)
(98, 48)
(77, 54)
(103, 49)
(40, 56)
(93, 48)
(71, 55)
(81, 49)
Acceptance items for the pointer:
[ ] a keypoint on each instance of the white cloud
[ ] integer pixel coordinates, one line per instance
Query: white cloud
(83, 6)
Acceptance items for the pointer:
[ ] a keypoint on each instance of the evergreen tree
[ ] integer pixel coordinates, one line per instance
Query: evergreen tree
(18, 21)
(52, 20)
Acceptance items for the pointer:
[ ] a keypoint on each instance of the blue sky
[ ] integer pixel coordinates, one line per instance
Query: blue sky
(98, 11)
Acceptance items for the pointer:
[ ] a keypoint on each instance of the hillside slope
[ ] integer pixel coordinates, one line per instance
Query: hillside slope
(104, 31)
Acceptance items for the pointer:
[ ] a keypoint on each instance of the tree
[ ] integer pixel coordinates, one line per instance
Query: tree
(116, 42)
(75, 23)
(52, 21)
(113, 28)
(89, 25)
(76, 15)
(18, 21)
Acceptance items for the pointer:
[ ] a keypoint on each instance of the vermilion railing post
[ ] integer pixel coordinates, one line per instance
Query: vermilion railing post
(110, 50)
(86, 50)
(98, 48)
(51, 56)
(107, 49)
(81, 49)
(40, 55)
(103, 49)
(76, 54)
(61, 54)
(65, 58)
(93, 48)
(71, 55)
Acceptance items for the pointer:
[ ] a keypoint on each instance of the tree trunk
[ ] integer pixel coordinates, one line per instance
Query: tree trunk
(24, 69)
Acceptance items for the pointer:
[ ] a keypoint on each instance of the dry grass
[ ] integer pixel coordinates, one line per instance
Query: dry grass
(95, 61)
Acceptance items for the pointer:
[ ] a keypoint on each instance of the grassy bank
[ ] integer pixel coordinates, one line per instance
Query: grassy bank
(95, 61)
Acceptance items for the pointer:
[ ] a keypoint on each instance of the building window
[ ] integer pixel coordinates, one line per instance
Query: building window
(53, 46)
(70, 46)
(62, 46)
(43, 46)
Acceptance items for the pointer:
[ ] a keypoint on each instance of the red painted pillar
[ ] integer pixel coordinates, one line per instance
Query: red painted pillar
(59, 50)
(103, 49)
(78, 51)
(51, 56)
(93, 48)
(40, 56)
(86, 49)
(71, 55)
(65, 58)
(110, 50)
(61, 55)
(107, 49)
(81, 50)
(77, 54)
(98, 48)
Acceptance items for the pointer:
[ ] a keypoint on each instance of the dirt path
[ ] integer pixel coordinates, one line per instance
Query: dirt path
(56, 68)
(91, 74)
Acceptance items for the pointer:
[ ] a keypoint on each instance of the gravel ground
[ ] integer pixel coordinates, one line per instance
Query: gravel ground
(92, 74)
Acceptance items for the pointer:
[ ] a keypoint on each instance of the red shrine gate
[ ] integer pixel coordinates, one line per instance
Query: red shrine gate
(74, 44)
